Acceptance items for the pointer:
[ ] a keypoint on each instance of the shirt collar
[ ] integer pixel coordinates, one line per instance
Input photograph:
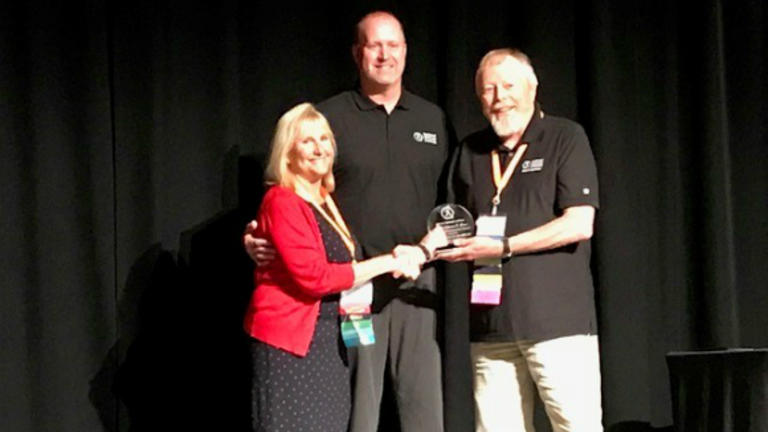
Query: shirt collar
(366, 104)
(532, 133)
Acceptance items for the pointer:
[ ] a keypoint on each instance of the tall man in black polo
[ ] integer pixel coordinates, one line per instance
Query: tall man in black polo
(544, 330)
(392, 148)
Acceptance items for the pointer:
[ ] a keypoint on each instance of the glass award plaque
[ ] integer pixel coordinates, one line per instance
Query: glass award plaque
(455, 220)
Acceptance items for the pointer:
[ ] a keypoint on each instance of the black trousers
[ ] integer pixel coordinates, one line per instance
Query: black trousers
(406, 351)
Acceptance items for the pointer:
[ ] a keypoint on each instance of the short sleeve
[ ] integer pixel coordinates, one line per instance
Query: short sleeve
(577, 182)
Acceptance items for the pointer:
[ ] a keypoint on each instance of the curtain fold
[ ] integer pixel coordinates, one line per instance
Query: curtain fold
(131, 147)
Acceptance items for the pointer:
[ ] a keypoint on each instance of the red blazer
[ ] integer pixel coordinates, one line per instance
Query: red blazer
(285, 304)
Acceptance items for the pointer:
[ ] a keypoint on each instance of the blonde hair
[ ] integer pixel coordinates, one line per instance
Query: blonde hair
(497, 56)
(286, 133)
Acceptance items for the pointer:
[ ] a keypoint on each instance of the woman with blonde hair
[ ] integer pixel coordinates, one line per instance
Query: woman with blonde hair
(301, 380)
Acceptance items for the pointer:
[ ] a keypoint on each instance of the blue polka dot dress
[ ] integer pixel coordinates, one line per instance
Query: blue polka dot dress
(312, 393)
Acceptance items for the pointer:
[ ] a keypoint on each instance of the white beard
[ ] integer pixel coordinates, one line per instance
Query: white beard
(507, 124)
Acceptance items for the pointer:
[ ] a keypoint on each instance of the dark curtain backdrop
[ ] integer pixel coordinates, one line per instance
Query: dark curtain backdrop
(132, 138)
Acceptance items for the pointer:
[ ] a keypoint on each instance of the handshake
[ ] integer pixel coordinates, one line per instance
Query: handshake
(410, 258)
(404, 260)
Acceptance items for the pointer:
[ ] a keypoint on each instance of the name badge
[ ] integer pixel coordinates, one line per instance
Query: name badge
(355, 311)
(357, 300)
(487, 278)
(491, 226)
(357, 330)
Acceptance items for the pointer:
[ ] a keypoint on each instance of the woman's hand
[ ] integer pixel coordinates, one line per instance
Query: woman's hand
(413, 254)
(407, 265)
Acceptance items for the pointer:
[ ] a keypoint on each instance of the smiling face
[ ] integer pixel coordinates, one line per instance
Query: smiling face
(380, 50)
(507, 96)
(311, 156)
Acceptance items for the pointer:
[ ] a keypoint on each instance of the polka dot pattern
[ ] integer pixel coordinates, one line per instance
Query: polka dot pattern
(308, 394)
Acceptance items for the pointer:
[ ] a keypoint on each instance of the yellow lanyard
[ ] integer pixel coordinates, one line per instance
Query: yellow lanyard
(502, 180)
(334, 219)
(337, 223)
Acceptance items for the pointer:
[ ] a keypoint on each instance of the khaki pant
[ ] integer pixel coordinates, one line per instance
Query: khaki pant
(565, 370)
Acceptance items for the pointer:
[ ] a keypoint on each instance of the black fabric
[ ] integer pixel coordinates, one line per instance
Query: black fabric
(388, 166)
(131, 145)
(335, 249)
(546, 294)
(403, 366)
(388, 171)
(725, 390)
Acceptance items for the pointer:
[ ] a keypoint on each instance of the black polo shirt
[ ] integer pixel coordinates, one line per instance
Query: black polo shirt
(547, 294)
(388, 167)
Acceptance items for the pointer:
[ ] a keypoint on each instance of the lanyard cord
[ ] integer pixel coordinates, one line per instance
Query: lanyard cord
(334, 219)
(501, 181)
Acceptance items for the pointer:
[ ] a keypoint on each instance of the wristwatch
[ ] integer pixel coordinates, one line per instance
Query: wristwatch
(425, 250)
(505, 251)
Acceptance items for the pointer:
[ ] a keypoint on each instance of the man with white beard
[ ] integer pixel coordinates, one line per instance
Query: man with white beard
(530, 181)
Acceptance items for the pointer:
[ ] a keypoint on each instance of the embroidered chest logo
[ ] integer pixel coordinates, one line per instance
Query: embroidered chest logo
(425, 137)
(532, 165)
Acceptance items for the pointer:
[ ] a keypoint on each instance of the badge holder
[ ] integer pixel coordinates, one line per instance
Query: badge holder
(487, 276)
(355, 313)
(355, 304)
